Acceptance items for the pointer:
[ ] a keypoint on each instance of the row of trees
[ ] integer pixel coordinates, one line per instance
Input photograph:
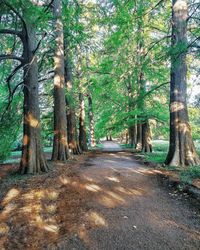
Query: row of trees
(147, 48)
(119, 55)
(25, 18)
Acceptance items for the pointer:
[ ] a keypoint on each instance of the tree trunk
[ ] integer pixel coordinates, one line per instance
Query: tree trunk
(146, 137)
(33, 159)
(181, 149)
(132, 135)
(71, 117)
(91, 120)
(138, 144)
(60, 144)
(71, 130)
(82, 129)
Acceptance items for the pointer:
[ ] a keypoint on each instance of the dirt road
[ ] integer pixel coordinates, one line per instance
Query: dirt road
(110, 202)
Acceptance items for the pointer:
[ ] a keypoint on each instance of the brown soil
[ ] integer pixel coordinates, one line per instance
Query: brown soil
(103, 200)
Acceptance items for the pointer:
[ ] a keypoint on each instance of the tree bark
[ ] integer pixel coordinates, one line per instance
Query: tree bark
(132, 134)
(91, 121)
(33, 159)
(138, 144)
(71, 117)
(71, 130)
(82, 129)
(146, 137)
(182, 151)
(60, 143)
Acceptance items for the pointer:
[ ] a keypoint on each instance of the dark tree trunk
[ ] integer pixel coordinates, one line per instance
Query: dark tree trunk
(82, 129)
(71, 117)
(132, 135)
(146, 137)
(60, 143)
(127, 138)
(33, 159)
(107, 139)
(181, 149)
(71, 130)
(138, 144)
(91, 120)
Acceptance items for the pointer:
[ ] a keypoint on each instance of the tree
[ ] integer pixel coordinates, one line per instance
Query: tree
(82, 128)
(91, 121)
(33, 160)
(181, 150)
(60, 143)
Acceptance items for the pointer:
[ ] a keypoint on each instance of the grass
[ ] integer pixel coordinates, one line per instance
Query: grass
(160, 149)
(125, 146)
(159, 153)
(188, 175)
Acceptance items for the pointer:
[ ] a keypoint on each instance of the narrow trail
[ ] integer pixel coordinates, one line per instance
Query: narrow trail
(110, 202)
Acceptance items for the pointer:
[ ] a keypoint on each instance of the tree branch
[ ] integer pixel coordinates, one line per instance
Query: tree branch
(11, 57)
(11, 32)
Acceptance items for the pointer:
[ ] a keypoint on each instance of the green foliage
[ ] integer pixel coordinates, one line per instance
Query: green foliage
(188, 175)
(9, 130)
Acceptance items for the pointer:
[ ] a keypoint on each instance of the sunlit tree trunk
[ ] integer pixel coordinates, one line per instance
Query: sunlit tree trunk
(33, 159)
(60, 144)
(91, 121)
(82, 128)
(181, 150)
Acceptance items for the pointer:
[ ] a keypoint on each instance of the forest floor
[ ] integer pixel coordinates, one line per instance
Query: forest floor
(103, 200)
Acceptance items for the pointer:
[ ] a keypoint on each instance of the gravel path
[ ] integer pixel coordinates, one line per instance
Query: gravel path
(107, 202)
(130, 210)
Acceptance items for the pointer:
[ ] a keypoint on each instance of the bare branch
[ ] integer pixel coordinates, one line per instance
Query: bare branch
(11, 32)
(11, 57)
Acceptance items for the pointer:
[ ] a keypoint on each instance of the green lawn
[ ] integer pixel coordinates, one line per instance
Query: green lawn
(160, 149)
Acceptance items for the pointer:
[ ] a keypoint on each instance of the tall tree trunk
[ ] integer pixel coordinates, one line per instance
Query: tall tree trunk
(138, 144)
(91, 120)
(181, 149)
(60, 144)
(146, 137)
(33, 159)
(71, 130)
(71, 117)
(132, 135)
(82, 129)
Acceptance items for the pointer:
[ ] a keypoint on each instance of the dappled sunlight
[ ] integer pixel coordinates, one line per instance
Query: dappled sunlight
(32, 121)
(96, 219)
(180, 5)
(130, 191)
(8, 209)
(79, 202)
(112, 178)
(65, 180)
(176, 106)
(12, 194)
(4, 229)
(92, 187)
